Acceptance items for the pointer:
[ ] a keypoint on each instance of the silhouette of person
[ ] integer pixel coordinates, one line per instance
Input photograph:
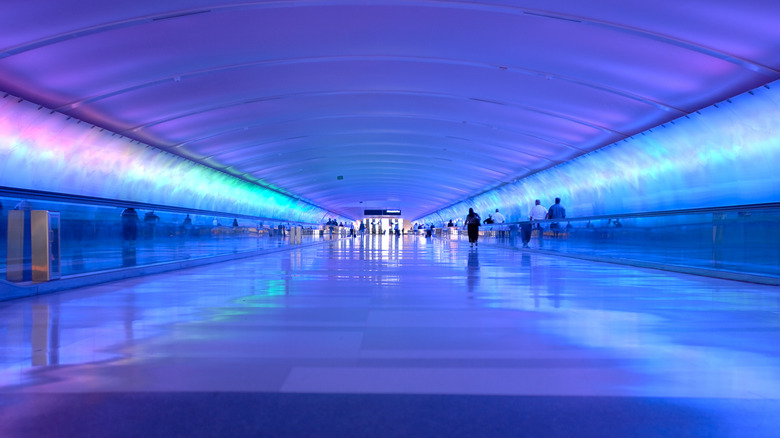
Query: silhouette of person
(556, 211)
(472, 226)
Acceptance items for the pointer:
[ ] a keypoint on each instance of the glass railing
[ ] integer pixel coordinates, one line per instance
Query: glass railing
(96, 237)
(93, 237)
(743, 239)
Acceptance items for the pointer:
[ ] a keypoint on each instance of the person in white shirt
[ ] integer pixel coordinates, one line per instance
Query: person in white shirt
(499, 218)
(537, 213)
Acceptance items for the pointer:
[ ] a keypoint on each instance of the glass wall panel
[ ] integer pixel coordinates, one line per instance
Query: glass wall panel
(101, 237)
(741, 240)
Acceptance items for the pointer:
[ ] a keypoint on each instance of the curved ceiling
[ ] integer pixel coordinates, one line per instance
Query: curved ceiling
(417, 104)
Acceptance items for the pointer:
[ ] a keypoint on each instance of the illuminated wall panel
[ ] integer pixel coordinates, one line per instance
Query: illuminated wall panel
(727, 154)
(41, 150)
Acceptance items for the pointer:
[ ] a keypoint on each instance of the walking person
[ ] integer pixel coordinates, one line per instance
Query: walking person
(472, 226)
(500, 219)
(537, 213)
(556, 211)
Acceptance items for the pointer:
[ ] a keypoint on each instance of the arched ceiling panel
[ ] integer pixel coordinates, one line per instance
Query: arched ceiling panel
(255, 139)
(422, 103)
(544, 125)
(311, 77)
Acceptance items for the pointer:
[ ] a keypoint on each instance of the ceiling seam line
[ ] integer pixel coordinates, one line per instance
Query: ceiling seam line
(445, 61)
(359, 93)
(539, 13)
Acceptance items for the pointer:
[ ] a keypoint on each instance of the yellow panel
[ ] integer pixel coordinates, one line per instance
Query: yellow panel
(40, 245)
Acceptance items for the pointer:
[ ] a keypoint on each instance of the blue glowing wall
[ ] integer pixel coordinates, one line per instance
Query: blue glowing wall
(726, 154)
(40, 150)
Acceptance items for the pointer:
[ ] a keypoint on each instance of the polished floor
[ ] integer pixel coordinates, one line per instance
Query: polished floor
(386, 336)
(89, 256)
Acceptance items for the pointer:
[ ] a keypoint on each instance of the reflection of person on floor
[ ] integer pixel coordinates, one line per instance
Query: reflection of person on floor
(130, 223)
(128, 256)
(472, 277)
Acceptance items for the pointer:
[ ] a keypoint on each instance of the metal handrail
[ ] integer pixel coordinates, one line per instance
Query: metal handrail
(665, 213)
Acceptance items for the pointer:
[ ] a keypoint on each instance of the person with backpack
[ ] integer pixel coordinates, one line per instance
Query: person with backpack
(472, 226)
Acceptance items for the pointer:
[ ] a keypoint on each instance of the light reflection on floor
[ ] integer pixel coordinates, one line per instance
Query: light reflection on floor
(387, 315)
